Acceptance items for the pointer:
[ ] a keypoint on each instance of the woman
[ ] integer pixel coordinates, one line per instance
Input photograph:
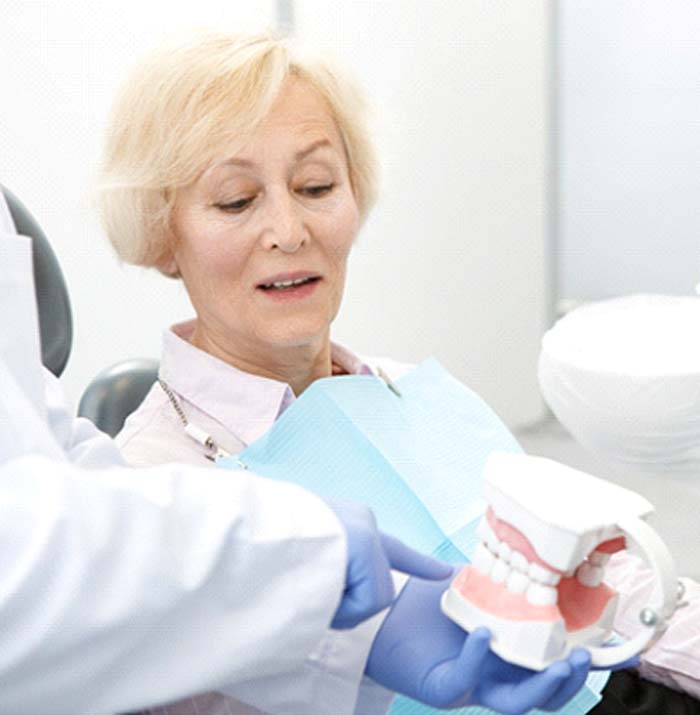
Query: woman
(248, 174)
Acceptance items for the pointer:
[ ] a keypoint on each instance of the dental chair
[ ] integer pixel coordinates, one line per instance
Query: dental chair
(116, 391)
(55, 318)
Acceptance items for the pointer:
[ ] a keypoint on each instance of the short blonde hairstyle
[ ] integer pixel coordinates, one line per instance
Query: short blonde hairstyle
(183, 104)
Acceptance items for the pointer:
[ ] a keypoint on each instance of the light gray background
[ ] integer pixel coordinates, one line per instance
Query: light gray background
(452, 262)
(628, 143)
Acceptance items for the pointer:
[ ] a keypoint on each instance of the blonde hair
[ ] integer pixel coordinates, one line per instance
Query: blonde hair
(183, 104)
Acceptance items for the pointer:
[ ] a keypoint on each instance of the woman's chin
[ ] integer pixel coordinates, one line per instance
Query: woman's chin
(290, 337)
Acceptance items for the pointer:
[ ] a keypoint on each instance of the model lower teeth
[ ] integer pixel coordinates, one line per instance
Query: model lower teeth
(517, 582)
(540, 595)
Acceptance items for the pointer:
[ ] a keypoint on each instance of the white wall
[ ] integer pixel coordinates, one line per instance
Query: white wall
(453, 261)
(60, 64)
(629, 150)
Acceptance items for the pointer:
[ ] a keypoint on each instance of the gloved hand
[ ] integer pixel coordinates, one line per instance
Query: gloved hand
(369, 587)
(421, 653)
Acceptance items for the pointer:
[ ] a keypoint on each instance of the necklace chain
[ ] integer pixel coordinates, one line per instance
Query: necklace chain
(173, 401)
(196, 433)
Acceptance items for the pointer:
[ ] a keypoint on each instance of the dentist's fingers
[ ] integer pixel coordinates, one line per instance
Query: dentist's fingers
(404, 558)
(533, 692)
(369, 589)
(453, 681)
(580, 662)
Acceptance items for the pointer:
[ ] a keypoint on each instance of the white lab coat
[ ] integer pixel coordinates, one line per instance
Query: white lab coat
(122, 588)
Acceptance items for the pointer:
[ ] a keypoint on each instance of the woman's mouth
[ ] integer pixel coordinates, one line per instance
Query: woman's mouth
(290, 288)
(283, 285)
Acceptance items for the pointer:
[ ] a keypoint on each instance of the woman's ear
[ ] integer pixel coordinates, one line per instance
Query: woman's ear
(167, 262)
(169, 267)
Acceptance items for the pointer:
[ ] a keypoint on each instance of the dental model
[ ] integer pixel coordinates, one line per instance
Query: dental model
(536, 580)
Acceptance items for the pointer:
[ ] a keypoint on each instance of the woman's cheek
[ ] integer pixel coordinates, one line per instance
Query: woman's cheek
(345, 231)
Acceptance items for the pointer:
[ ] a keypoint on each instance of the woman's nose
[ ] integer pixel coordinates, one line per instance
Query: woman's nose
(285, 228)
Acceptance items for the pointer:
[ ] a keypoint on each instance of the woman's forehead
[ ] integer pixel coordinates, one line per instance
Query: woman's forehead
(299, 126)
(298, 102)
(299, 116)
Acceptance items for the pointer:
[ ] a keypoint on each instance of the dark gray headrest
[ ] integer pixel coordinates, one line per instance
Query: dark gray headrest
(116, 392)
(55, 321)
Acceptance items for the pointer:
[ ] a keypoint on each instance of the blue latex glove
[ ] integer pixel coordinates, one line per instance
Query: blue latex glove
(369, 587)
(422, 654)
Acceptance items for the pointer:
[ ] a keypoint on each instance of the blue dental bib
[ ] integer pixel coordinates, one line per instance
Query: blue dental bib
(415, 458)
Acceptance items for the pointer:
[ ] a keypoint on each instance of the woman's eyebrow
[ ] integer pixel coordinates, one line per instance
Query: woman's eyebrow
(312, 148)
(234, 162)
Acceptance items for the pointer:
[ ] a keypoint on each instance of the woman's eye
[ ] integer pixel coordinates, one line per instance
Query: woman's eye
(318, 190)
(235, 206)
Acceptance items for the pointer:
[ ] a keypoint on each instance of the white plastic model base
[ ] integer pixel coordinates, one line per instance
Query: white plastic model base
(536, 580)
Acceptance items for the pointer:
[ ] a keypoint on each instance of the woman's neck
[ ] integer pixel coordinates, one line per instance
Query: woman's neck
(298, 366)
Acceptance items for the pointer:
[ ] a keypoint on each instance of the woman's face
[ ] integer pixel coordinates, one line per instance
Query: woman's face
(279, 211)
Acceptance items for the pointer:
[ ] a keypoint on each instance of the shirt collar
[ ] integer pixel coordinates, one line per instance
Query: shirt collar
(245, 404)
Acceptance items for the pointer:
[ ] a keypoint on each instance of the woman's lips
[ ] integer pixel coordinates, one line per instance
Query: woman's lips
(288, 277)
(287, 288)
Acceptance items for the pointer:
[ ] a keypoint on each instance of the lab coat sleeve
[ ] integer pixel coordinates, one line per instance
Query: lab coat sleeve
(82, 443)
(122, 588)
(674, 660)
(332, 680)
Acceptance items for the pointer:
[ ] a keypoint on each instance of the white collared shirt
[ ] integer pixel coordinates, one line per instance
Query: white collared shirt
(235, 407)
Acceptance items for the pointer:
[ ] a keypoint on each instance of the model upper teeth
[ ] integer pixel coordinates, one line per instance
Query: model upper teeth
(504, 565)
(541, 574)
(286, 284)
(518, 561)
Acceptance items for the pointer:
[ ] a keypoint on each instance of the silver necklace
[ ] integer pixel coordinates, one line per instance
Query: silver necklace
(213, 450)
